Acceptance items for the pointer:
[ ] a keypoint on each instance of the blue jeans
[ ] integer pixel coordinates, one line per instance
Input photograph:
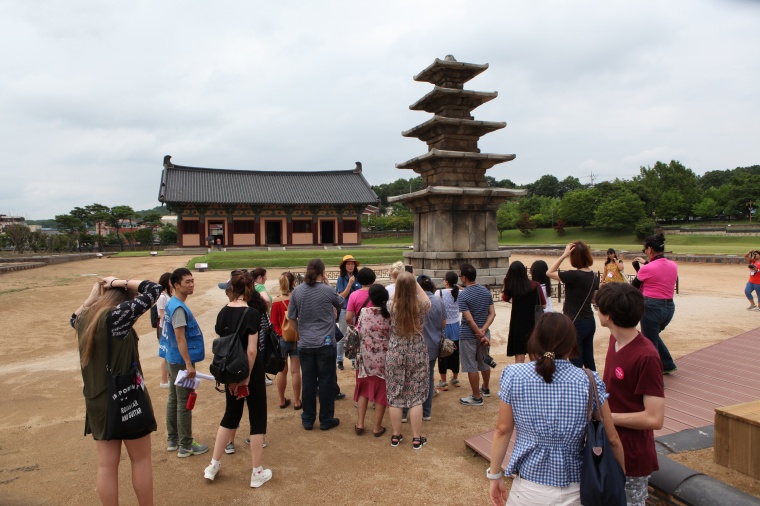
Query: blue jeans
(427, 406)
(752, 287)
(657, 315)
(584, 329)
(317, 370)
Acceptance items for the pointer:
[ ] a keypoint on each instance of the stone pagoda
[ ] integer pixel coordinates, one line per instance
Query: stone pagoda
(455, 211)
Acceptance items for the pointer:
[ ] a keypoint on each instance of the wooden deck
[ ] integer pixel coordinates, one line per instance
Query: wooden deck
(723, 374)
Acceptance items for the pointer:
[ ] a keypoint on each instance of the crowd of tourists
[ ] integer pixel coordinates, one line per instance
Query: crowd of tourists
(395, 333)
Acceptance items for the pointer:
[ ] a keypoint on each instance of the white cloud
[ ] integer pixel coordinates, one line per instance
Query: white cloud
(94, 94)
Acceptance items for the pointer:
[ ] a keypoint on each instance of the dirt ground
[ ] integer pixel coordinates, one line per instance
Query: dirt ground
(45, 459)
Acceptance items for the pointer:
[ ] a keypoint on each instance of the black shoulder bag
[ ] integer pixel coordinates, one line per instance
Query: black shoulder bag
(602, 479)
(128, 410)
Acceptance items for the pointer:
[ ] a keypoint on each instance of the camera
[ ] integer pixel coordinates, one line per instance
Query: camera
(488, 360)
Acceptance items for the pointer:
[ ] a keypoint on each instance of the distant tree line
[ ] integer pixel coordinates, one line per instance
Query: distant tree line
(664, 192)
(81, 230)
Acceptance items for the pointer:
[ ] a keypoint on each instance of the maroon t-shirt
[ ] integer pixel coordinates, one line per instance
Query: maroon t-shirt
(631, 373)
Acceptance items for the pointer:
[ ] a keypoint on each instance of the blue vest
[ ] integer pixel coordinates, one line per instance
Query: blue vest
(193, 335)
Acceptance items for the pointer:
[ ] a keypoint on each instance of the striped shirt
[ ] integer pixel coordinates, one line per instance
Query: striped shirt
(550, 421)
(313, 307)
(477, 300)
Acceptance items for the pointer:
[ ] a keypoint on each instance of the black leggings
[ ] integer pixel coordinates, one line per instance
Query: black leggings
(257, 403)
(449, 363)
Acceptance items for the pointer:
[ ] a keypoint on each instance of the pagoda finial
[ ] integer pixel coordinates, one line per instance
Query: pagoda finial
(449, 57)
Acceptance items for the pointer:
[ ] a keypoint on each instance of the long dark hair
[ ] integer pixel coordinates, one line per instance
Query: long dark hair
(610, 252)
(315, 269)
(165, 283)
(379, 297)
(553, 338)
(538, 274)
(452, 278)
(516, 281)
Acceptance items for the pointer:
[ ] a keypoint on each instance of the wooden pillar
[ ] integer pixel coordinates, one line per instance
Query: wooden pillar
(229, 234)
(257, 230)
(202, 232)
(289, 228)
(180, 241)
(314, 227)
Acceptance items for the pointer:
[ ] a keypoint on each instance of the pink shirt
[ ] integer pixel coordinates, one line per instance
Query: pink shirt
(659, 278)
(355, 302)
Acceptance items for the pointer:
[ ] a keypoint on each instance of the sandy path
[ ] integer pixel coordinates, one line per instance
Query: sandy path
(44, 459)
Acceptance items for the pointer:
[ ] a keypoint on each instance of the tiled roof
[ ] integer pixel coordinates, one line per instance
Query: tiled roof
(181, 184)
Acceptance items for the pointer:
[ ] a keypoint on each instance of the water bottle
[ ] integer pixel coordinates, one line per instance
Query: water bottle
(328, 341)
(191, 401)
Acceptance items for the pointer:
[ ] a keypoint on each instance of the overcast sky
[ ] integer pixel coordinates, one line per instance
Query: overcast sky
(93, 94)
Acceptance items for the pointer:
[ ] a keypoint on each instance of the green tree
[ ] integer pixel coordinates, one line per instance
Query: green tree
(18, 236)
(545, 186)
(568, 184)
(621, 213)
(706, 208)
(168, 233)
(578, 206)
(116, 217)
(506, 216)
(653, 181)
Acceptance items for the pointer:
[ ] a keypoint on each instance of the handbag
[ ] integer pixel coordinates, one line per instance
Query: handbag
(446, 347)
(274, 358)
(538, 309)
(602, 479)
(352, 337)
(289, 332)
(128, 409)
(230, 362)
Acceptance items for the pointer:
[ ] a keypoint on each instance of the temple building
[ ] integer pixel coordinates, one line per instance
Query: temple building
(265, 208)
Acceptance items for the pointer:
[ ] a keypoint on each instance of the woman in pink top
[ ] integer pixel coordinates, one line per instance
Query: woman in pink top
(657, 281)
(753, 285)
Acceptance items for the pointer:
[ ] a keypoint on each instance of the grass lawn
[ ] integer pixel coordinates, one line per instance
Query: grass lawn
(377, 251)
(599, 239)
(228, 260)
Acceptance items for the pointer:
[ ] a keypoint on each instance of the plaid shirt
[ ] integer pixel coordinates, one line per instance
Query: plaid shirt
(550, 421)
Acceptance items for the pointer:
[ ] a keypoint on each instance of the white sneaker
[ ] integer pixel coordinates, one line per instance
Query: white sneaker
(261, 477)
(427, 418)
(229, 449)
(267, 381)
(163, 385)
(211, 470)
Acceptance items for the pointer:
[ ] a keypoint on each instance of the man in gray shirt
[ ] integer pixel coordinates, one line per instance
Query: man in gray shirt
(312, 307)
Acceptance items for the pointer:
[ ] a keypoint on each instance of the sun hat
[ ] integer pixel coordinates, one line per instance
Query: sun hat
(349, 258)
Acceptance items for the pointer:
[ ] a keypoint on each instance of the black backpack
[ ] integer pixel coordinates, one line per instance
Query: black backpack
(274, 358)
(230, 363)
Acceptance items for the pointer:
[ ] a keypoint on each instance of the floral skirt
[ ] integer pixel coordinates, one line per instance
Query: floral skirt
(407, 372)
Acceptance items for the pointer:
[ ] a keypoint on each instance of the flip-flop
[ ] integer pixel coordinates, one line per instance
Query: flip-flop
(378, 434)
(285, 404)
(297, 407)
(359, 430)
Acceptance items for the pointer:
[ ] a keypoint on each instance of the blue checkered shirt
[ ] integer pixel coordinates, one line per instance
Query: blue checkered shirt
(550, 421)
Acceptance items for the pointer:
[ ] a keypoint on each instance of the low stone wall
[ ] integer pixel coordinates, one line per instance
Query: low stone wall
(10, 264)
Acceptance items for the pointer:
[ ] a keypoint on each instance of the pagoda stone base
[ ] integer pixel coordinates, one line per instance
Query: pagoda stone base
(491, 266)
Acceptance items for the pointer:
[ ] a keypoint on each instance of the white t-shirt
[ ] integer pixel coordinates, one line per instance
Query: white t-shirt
(548, 308)
(161, 305)
(391, 290)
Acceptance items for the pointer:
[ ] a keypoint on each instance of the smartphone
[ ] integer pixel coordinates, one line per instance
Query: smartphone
(409, 268)
(242, 391)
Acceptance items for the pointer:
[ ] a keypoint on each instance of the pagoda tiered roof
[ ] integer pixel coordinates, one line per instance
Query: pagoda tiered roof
(440, 125)
(450, 73)
(440, 98)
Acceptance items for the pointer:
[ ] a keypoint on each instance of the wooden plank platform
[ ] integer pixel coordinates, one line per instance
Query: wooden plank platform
(722, 374)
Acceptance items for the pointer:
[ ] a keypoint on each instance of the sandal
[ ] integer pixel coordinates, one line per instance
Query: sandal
(380, 432)
(285, 404)
(396, 439)
(296, 407)
(359, 430)
(418, 442)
